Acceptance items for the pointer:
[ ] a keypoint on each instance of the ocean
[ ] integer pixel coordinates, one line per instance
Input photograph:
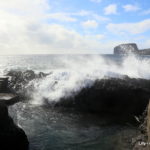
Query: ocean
(44, 80)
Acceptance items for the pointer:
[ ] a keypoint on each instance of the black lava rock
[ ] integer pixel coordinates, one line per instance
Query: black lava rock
(11, 136)
(121, 96)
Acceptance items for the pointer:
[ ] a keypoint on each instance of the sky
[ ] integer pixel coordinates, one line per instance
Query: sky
(72, 27)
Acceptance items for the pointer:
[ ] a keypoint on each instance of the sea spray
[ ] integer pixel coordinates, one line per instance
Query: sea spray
(82, 73)
(78, 72)
(65, 130)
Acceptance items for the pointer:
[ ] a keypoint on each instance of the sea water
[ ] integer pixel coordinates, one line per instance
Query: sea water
(50, 128)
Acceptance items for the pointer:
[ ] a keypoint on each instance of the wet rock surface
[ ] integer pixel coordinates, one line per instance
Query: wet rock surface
(4, 84)
(11, 136)
(20, 79)
(124, 96)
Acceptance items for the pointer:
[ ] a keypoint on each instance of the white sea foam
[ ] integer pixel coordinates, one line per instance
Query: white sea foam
(82, 72)
(72, 73)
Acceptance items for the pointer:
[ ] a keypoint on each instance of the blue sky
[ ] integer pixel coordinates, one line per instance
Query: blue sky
(65, 26)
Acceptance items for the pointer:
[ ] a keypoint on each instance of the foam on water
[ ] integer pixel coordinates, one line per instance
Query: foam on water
(47, 128)
(82, 72)
(69, 74)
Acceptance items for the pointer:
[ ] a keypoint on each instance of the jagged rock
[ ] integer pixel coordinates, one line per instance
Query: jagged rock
(144, 51)
(130, 48)
(11, 136)
(8, 98)
(125, 96)
(20, 80)
(140, 143)
(126, 49)
(3, 84)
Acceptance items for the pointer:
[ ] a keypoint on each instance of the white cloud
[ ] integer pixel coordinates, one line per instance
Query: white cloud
(145, 44)
(96, 1)
(146, 12)
(110, 9)
(99, 18)
(21, 34)
(34, 7)
(96, 37)
(62, 17)
(90, 24)
(90, 14)
(132, 28)
(82, 13)
(25, 29)
(34, 38)
(72, 16)
(130, 7)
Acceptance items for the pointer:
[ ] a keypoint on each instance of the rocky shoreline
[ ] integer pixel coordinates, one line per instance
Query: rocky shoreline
(119, 96)
(124, 96)
(11, 136)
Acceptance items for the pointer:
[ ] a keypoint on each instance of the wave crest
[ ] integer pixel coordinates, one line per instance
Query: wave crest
(80, 73)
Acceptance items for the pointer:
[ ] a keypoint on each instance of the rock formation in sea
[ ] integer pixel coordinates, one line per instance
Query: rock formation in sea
(122, 95)
(130, 48)
(19, 80)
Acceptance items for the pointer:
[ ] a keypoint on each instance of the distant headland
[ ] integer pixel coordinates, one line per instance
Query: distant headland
(130, 48)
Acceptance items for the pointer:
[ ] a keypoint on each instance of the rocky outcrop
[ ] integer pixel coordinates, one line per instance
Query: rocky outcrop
(11, 136)
(126, 49)
(20, 80)
(6, 96)
(124, 96)
(9, 98)
(130, 48)
(144, 52)
(4, 84)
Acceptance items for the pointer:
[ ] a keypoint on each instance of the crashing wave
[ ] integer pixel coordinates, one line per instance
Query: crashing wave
(19, 81)
(121, 94)
(112, 95)
(75, 84)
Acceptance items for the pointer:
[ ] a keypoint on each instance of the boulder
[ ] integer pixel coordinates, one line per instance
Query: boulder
(9, 98)
(20, 79)
(3, 84)
(11, 136)
(121, 96)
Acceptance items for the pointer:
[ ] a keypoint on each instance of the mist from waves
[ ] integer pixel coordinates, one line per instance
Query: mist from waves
(64, 76)
(68, 74)
(82, 73)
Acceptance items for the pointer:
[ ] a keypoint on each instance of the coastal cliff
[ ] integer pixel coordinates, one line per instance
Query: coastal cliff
(130, 48)
(11, 136)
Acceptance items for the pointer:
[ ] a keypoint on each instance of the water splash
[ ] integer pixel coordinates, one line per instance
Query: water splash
(82, 72)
